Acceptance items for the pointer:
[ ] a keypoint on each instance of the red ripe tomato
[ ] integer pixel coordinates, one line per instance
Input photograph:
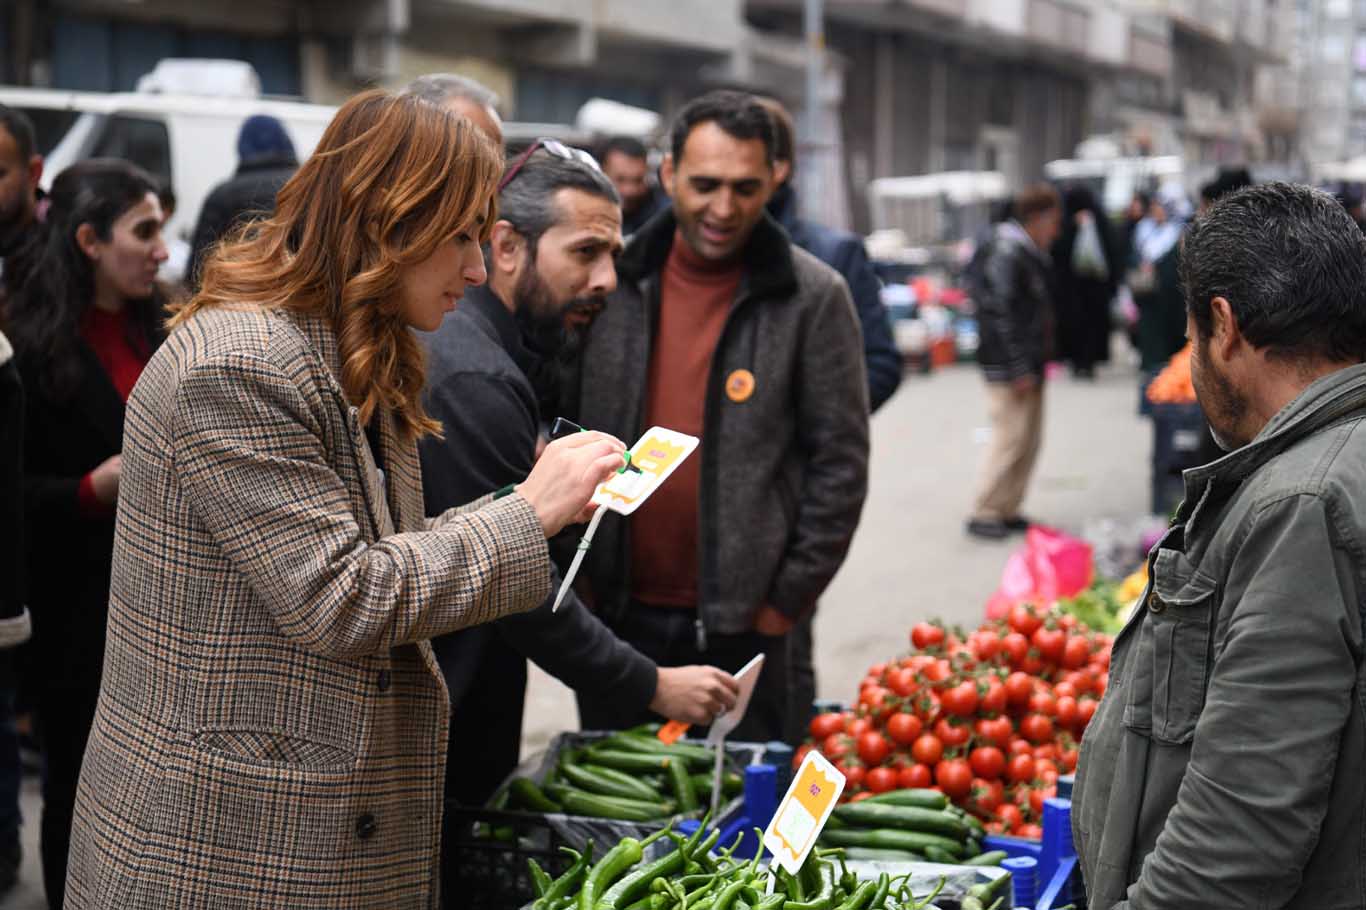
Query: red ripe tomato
(1020, 746)
(987, 645)
(853, 773)
(1020, 769)
(987, 761)
(861, 796)
(1036, 798)
(904, 727)
(1080, 681)
(1010, 816)
(1048, 773)
(1066, 713)
(857, 726)
(822, 725)
(874, 700)
(1086, 709)
(1030, 831)
(927, 705)
(1069, 760)
(1037, 728)
(954, 777)
(1019, 687)
(1014, 646)
(914, 777)
(1064, 688)
(1048, 752)
(927, 635)
(1050, 643)
(902, 681)
(1043, 702)
(928, 750)
(985, 796)
(837, 746)
(994, 827)
(938, 671)
(873, 748)
(880, 780)
(1100, 685)
(996, 730)
(993, 700)
(951, 734)
(961, 700)
(1024, 619)
(800, 755)
(1076, 652)
(876, 670)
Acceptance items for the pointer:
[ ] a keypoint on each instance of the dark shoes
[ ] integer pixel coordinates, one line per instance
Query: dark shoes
(994, 529)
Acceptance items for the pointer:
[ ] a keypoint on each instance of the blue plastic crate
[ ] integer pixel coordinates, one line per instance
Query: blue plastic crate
(1058, 878)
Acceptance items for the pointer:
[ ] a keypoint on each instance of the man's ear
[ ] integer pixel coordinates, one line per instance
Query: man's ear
(781, 171)
(505, 247)
(666, 175)
(1225, 337)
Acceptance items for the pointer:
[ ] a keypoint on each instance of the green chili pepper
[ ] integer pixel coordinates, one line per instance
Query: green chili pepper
(610, 868)
(539, 880)
(565, 884)
(884, 886)
(860, 897)
(825, 892)
(918, 905)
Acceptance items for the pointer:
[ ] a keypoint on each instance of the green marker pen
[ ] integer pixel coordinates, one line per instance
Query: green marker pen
(563, 427)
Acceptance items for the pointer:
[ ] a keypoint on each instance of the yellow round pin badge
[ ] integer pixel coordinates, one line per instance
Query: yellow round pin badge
(739, 386)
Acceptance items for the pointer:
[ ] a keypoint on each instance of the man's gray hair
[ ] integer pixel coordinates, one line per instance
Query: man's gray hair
(528, 202)
(438, 88)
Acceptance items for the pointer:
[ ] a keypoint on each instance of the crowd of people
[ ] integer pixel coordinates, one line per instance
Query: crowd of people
(284, 544)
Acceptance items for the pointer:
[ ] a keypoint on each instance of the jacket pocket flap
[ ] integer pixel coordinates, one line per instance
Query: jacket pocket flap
(1178, 583)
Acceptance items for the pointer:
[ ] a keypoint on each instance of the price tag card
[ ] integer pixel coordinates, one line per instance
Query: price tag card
(803, 812)
(658, 454)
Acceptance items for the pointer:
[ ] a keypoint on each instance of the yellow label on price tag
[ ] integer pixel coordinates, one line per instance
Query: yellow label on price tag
(803, 812)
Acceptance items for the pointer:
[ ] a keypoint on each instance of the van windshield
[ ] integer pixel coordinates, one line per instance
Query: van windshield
(49, 126)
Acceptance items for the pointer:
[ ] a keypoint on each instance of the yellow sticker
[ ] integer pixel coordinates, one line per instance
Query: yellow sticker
(740, 386)
(803, 812)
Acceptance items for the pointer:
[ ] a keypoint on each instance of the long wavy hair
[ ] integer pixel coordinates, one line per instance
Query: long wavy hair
(392, 179)
(49, 282)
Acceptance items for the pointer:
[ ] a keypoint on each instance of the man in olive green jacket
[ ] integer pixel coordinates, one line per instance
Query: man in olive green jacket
(1224, 766)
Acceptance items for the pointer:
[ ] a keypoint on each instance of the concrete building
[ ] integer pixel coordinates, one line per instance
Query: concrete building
(1325, 79)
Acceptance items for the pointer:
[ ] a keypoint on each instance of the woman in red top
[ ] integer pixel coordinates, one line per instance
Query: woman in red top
(84, 313)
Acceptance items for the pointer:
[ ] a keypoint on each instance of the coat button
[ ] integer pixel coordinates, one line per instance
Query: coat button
(366, 826)
(1155, 603)
(385, 678)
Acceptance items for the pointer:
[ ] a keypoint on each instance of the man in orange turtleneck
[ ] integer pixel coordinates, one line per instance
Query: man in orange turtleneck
(720, 328)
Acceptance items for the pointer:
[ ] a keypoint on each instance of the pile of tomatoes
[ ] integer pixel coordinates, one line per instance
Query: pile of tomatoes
(990, 718)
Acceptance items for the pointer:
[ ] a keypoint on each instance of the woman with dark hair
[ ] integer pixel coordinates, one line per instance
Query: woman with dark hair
(272, 724)
(1086, 268)
(84, 318)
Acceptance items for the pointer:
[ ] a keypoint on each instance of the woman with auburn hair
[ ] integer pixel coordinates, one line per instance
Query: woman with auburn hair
(271, 728)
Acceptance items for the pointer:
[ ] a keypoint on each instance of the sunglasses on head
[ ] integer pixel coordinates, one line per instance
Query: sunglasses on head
(554, 147)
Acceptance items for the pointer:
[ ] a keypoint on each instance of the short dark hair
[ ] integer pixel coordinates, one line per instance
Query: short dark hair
(1292, 265)
(784, 131)
(629, 146)
(16, 123)
(738, 114)
(528, 202)
(1035, 199)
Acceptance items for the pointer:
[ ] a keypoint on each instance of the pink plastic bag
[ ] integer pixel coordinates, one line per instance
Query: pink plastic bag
(1049, 566)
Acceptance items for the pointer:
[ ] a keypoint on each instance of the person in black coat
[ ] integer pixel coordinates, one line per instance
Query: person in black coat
(1083, 285)
(84, 321)
(266, 161)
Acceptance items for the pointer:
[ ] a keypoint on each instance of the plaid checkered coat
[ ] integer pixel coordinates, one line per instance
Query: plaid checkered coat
(272, 726)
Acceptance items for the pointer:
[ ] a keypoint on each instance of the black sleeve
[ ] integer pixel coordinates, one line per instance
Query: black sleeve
(212, 222)
(879, 348)
(11, 492)
(491, 442)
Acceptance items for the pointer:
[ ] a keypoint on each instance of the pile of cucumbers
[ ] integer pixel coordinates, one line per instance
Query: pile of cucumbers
(694, 876)
(629, 776)
(909, 825)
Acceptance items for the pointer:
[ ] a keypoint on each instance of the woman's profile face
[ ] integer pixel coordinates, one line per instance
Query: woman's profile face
(429, 289)
(128, 261)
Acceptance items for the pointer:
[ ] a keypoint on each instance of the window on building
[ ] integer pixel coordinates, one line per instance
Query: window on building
(141, 140)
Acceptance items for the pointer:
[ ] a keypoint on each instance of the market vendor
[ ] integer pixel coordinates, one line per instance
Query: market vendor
(271, 728)
(1224, 765)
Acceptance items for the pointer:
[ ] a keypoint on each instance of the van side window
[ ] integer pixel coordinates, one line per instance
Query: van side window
(141, 140)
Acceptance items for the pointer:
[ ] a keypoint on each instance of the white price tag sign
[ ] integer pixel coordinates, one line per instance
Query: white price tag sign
(803, 812)
(658, 454)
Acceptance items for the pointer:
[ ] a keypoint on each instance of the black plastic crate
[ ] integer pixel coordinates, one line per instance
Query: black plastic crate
(1181, 440)
(481, 872)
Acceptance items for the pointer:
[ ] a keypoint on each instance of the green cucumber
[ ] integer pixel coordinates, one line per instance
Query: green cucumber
(595, 805)
(682, 787)
(732, 784)
(609, 782)
(911, 818)
(649, 745)
(526, 794)
(890, 839)
(635, 762)
(994, 858)
(925, 799)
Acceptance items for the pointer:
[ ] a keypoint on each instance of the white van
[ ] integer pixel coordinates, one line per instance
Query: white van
(187, 139)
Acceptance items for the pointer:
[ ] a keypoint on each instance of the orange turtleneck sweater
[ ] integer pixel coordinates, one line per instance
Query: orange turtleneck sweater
(694, 298)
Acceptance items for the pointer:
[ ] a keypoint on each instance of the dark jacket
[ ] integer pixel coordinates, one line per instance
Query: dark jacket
(655, 203)
(69, 551)
(1083, 300)
(1009, 282)
(477, 387)
(1162, 314)
(248, 193)
(14, 620)
(1224, 765)
(844, 252)
(784, 469)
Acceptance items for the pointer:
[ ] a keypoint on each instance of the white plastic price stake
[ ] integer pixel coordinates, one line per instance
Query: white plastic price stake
(803, 812)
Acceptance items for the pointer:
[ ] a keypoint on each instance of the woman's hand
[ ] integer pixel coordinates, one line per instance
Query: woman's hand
(566, 475)
(104, 480)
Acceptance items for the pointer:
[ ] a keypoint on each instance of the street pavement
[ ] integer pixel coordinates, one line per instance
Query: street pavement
(910, 559)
